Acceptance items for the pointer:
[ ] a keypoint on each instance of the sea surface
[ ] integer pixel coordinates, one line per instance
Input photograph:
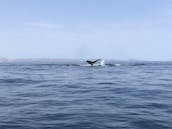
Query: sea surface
(72, 95)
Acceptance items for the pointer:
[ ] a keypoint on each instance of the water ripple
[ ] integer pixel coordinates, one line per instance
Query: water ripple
(72, 96)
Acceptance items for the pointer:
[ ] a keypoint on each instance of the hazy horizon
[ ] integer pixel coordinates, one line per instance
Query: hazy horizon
(120, 30)
(4, 59)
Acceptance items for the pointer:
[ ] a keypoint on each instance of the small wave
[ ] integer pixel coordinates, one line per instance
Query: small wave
(106, 83)
(138, 64)
(112, 64)
(18, 80)
(71, 65)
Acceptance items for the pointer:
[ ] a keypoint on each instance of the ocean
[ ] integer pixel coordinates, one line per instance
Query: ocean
(71, 95)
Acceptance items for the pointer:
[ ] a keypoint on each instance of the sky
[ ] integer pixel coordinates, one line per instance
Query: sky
(109, 29)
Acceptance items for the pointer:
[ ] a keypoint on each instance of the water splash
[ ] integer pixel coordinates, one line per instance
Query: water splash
(117, 64)
(102, 63)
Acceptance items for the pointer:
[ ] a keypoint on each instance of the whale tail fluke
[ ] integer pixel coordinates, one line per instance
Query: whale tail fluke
(92, 62)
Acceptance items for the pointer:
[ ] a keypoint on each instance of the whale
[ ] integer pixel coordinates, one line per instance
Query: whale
(92, 62)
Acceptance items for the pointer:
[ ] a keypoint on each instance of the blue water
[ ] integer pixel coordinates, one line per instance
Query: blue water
(53, 95)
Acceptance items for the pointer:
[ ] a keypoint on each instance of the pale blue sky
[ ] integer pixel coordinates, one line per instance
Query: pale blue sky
(110, 29)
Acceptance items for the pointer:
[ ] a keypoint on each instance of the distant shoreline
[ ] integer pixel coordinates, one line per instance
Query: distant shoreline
(3, 59)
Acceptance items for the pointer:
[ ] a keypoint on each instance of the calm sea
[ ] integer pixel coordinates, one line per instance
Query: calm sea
(70, 95)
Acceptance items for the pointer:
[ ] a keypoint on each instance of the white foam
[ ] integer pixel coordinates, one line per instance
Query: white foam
(117, 64)
(102, 63)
